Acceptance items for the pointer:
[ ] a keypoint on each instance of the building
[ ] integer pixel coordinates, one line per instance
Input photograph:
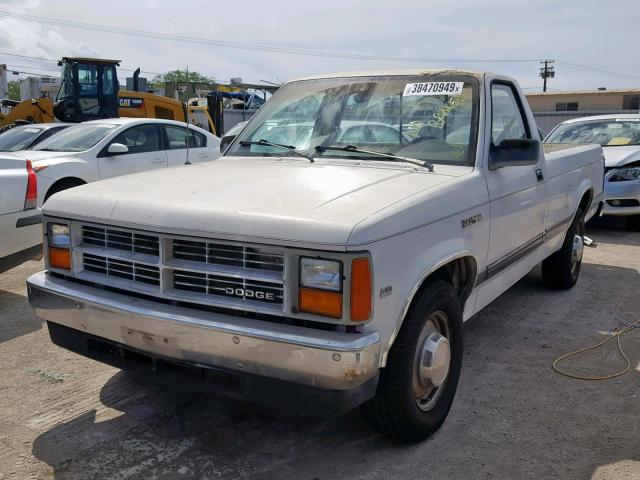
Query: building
(35, 87)
(551, 108)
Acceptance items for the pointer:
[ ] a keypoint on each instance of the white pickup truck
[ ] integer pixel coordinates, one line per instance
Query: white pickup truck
(329, 258)
(20, 220)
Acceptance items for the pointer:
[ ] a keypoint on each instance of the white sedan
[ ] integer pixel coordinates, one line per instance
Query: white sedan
(20, 228)
(107, 148)
(619, 136)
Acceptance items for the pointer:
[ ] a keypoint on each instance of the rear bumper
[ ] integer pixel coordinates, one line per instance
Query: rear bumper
(627, 192)
(337, 369)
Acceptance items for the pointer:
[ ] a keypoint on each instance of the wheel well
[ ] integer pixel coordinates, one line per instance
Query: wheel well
(461, 273)
(585, 201)
(63, 184)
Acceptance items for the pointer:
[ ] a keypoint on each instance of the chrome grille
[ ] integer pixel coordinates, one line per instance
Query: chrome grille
(120, 240)
(239, 288)
(235, 275)
(126, 270)
(232, 255)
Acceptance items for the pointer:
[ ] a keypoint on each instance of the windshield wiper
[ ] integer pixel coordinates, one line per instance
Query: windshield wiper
(351, 148)
(267, 143)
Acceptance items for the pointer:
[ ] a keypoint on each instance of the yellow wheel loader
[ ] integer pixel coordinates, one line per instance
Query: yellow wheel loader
(89, 90)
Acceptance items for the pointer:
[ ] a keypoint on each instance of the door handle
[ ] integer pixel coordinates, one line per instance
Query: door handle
(157, 160)
(539, 175)
(203, 155)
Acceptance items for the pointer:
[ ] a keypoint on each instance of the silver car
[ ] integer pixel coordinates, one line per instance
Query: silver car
(619, 136)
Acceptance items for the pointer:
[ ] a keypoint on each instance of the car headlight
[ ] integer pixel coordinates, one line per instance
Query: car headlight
(58, 243)
(58, 235)
(321, 274)
(622, 174)
(320, 289)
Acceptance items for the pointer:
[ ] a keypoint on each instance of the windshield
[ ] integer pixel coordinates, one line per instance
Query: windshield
(608, 133)
(430, 118)
(18, 138)
(77, 138)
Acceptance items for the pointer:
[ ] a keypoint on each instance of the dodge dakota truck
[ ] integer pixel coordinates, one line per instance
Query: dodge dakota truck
(329, 258)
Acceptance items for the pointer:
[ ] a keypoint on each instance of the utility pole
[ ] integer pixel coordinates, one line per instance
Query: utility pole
(546, 72)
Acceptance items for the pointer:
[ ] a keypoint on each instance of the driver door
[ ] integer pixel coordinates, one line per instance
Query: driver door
(145, 152)
(518, 192)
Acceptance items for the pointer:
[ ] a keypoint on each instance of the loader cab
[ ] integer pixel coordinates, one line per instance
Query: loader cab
(88, 91)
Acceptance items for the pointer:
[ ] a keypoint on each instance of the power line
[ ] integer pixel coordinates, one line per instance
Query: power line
(241, 46)
(585, 68)
(12, 69)
(278, 49)
(54, 60)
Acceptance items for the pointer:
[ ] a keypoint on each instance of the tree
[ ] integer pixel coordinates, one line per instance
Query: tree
(179, 76)
(14, 89)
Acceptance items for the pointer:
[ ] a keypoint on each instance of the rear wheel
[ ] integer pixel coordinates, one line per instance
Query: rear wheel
(418, 384)
(562, 269)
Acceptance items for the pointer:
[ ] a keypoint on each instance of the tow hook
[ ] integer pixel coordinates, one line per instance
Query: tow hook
(589, 242)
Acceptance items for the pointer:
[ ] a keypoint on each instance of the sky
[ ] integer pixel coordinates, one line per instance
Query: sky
(464, 33)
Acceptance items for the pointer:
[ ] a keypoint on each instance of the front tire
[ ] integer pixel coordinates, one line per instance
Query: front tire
(562, 269)
(418, 384)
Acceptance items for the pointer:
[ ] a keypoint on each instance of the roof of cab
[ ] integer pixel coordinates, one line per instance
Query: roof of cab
(397, 72)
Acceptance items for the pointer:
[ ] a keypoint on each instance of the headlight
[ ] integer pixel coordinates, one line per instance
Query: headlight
(58, 235)
(58, 242)
(622, 174)
(321, 274)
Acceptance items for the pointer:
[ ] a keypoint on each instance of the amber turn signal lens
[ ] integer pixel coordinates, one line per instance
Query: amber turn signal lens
(60, 258)
(320, 302)
(360, 290)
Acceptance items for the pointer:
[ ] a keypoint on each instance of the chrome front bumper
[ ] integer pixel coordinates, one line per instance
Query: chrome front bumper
(314, 358)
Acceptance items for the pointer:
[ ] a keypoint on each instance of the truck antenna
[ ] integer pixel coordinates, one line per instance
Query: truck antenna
(186, 114)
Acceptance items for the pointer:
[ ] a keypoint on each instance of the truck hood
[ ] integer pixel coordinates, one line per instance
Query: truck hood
(249, 198)
(620, 156)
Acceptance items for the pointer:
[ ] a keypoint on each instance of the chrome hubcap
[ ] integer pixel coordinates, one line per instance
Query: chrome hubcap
(576, 251)
(432, 361)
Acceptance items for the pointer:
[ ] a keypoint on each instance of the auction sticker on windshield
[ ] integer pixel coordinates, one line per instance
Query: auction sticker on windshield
(433, 88)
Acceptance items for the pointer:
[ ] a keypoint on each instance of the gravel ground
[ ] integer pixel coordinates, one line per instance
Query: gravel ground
(66, 417)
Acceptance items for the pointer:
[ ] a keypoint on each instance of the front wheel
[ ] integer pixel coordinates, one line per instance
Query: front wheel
(417, 386)
(562, 269)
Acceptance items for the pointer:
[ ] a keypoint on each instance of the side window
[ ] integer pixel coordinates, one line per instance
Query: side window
(108, 83)
(47, 133)
(507, 120)
(140, 139)
(197, 140)
(87, 79)
(176, 137)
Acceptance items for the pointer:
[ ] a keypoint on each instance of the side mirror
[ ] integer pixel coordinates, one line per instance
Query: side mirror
(225, 141)
(514, 152)
(117, 149)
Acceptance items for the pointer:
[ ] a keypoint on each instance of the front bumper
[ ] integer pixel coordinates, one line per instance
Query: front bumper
(628, 190)
(327, 364)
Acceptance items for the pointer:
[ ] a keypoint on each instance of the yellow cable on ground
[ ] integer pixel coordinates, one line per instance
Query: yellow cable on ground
(617, 336)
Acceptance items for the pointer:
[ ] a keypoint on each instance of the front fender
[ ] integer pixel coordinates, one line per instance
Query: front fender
(415, 289)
